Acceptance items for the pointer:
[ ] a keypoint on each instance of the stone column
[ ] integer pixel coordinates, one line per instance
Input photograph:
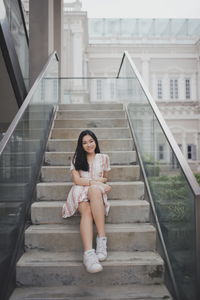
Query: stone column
(181, 87)
(77, 55)
(165, 87)
(59, 32)
(193, 88)
(41, 41)
(77, 59)
(154, 87)
(184, 144)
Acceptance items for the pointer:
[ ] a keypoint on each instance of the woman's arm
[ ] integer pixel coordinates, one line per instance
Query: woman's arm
(103, 179)
(79, 180)
(86, 181)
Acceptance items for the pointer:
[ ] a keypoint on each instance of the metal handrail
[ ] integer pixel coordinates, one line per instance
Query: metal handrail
(25, 104)
(189, 176)
(179, 155)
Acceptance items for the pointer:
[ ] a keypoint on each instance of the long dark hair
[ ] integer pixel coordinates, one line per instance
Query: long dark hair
(80, 155)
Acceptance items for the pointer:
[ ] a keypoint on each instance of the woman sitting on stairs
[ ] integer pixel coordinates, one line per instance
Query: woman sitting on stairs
(89, 169)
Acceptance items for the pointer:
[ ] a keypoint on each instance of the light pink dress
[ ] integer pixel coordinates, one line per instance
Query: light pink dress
(79, 193)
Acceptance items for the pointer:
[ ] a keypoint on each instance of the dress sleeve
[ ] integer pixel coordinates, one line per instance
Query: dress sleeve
(106, 163)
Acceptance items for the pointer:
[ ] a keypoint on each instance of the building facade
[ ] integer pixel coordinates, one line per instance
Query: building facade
(165, 51)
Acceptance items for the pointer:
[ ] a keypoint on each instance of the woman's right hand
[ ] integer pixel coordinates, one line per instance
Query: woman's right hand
(106, 188)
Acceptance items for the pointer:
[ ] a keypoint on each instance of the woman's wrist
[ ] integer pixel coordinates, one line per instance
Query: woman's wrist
(90, 181)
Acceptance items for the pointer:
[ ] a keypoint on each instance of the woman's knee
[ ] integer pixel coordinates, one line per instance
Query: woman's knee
(94, 189)
(85, 209)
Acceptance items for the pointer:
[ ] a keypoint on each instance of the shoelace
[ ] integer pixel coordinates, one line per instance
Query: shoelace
(92, 258)
(101, 245)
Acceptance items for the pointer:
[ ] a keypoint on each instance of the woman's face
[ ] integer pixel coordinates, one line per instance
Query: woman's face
(89, 144)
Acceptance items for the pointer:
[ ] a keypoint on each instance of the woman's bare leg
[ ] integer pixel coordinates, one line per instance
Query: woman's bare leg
(86, 225)
(97, 207)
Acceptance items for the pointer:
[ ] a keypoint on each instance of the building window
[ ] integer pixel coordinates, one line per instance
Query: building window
(173, 88)
(191, 151)
(161, 152)
(160, 89)
(99, 89)
(187, 88)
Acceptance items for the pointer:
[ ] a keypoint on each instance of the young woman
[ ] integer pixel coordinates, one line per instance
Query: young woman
(89, 169)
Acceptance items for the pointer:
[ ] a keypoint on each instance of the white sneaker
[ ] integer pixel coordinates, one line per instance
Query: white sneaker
(91, 262)
(101, 250)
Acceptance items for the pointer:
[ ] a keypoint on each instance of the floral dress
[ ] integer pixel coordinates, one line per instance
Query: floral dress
(79, 193)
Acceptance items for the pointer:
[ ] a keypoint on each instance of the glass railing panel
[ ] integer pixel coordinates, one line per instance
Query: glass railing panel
(173, 196)
(86, 90)
(20, 162)
(19, 35)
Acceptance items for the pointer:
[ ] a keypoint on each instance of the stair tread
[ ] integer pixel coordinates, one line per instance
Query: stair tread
(128, 183)
(91, 128)
(107, 152)
(70, 228)
(99, 139)
(44, 258)
(133, 292)
(68, 167)
(97, 118)
(90, 110)
(112, 203)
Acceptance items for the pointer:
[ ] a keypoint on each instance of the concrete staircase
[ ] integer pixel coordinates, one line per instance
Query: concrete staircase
(51, 267)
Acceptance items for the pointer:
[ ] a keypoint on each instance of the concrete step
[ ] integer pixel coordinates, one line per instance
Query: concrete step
(85, 114)
(116, 158)
(127, 292)
(91, 106)
(40, 268)
(62, 173)
(123, 211)
(121, 237)
(101, 133)
(104, 144)
(120, 190)
(91, 123)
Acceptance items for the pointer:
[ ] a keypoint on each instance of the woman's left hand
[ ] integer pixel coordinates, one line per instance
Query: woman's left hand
(101, 179)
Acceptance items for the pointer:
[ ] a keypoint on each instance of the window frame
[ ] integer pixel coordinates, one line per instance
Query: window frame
(187, 88)
(174, 88)
(160, 89)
